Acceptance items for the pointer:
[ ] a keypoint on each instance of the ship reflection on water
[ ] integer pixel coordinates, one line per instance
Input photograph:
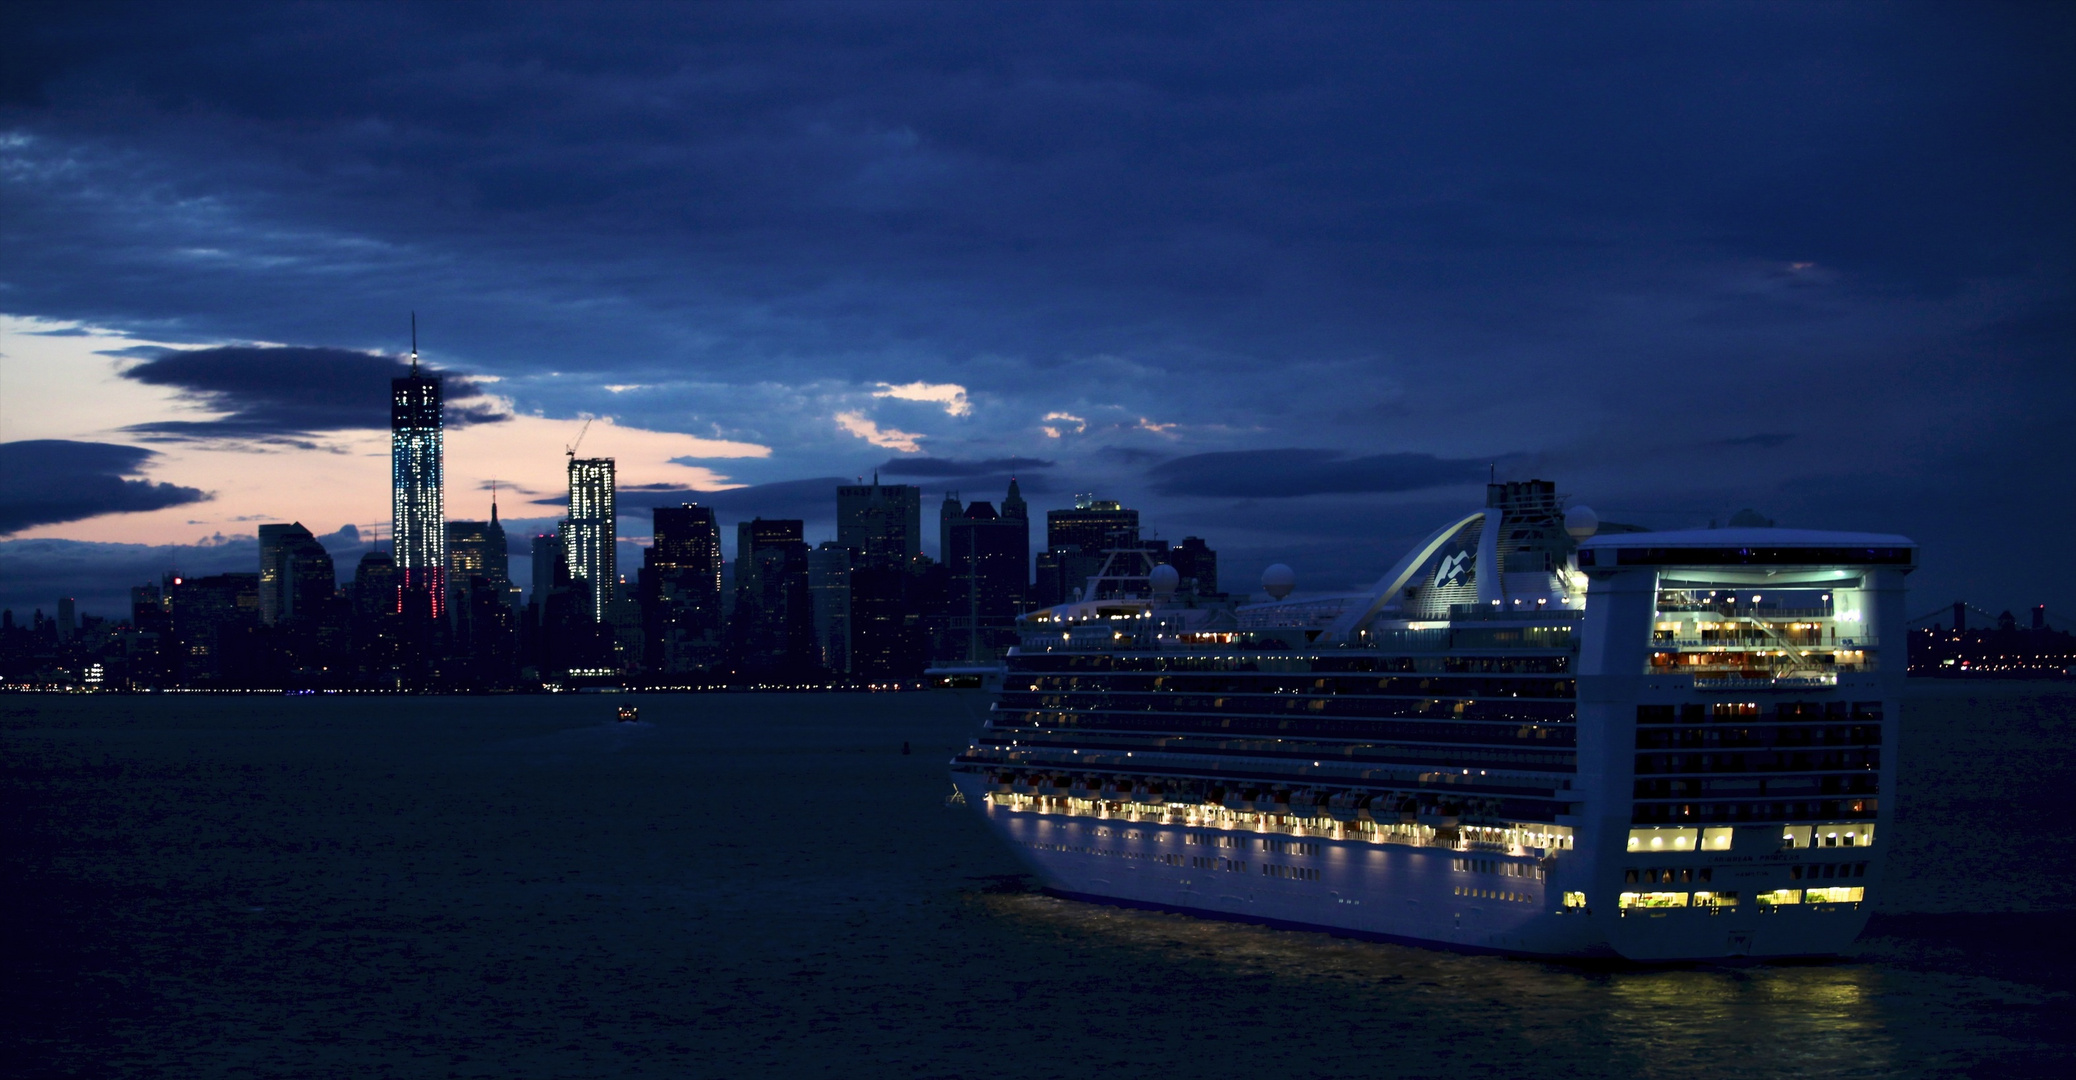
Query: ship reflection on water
(1834, 1018)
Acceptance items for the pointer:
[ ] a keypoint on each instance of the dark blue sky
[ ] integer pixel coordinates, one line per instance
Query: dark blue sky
(1290, 277)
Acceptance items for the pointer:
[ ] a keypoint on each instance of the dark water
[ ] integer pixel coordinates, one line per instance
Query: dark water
(765, 885)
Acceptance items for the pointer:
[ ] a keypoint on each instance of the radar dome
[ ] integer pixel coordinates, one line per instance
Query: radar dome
(1164, 579)
(1581, 522)
(1278, 580)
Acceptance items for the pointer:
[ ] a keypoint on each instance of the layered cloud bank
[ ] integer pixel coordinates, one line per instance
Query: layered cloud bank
(52, 481)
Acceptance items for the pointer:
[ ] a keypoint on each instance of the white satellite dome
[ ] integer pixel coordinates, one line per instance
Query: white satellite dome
(1278, 580)
(1164, 579)
(1581, 522)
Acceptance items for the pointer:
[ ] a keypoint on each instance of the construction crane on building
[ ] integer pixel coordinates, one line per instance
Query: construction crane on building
(571, 449)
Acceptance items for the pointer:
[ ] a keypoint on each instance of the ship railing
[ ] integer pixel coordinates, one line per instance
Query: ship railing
(1736, 611)
(1521, 613)
(1796, 681)
(1757, 641)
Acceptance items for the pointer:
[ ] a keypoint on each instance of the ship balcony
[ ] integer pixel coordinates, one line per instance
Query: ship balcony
(1714, 666)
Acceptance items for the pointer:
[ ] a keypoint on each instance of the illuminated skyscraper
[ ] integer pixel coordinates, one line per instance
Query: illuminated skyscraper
(418, 511)
(588, 535)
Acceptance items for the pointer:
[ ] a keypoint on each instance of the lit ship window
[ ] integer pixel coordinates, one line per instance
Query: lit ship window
(1664, 839)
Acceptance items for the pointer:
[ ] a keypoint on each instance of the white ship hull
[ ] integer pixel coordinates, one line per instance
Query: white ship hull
(1396, 892)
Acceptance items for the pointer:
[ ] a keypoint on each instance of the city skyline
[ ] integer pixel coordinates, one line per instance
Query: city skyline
(1238, 267)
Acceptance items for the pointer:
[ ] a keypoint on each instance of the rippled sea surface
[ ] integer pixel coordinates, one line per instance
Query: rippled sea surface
(764, 885)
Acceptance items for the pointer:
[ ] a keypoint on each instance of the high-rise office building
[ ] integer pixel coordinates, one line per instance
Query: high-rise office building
(829, 587)
(484, 621)
(988, 556)
(418, 512)
(589, 537)
(296, 575)
(213, 618)
(880, 520)
(376, 599)
(271, 538)
(1092, 525)
(771, 630)
(1197, 564)
(541, 576)
(480, 549)
(948, 512)
(1014, 509)
(680, 591)
(1076, 542)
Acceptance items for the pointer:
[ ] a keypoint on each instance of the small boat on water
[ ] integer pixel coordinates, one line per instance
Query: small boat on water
(629, 714)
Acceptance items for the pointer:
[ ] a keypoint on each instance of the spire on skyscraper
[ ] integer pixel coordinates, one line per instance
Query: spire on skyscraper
(1013, 505)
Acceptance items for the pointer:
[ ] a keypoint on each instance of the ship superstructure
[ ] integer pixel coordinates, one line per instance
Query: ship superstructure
(1524, 738)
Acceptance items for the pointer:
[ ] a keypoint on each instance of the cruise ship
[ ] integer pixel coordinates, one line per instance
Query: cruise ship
(1534, 736)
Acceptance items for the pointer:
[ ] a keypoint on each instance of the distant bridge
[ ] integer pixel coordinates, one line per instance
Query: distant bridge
(1959, 609)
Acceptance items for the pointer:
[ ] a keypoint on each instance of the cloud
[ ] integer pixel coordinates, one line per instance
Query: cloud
(1069, 424)
(951, 396)
(34, 573)
(811, 499)
(979, 487)
(1271, 474)
(954, 467)
(289, 391)
(905, 441)
(47, 481)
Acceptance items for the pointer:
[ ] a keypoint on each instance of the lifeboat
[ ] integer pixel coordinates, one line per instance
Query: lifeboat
(1023, 784)
(1348, 806)
(999, 783)
(1440, 815)
(1305, 803)
(1271, 801)
(1116, 790)
(1235, 799)
(1150, 794)
(1083, 788)
(1054, 786)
